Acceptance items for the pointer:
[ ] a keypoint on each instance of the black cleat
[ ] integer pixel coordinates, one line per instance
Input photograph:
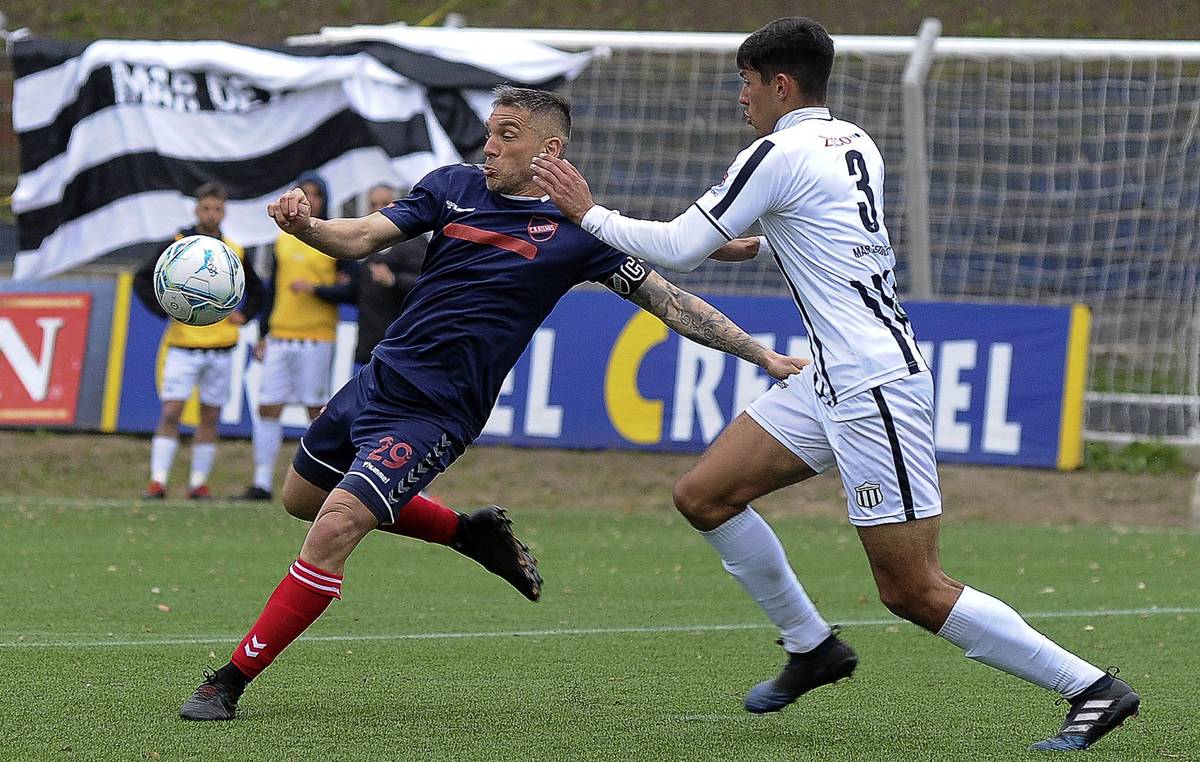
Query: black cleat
(829, 662)
(1093, 713)
(213, 700)
(254, 492)
(487, 537)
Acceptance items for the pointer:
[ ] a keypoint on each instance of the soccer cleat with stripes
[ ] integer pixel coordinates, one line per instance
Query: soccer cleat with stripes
(829, 662)
(1101, 708)
(213, 700)
(486, 536)
(155, 491)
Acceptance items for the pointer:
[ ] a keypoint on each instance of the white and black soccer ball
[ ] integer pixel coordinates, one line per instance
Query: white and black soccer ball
(199, 280)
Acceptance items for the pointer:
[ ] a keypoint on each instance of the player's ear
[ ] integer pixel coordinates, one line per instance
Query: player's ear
(553, 146)
(784, 86)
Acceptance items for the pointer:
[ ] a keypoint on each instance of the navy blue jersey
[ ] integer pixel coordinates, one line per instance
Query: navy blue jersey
(493, 271)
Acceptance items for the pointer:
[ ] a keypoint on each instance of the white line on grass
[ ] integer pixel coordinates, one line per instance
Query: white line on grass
(554, 633)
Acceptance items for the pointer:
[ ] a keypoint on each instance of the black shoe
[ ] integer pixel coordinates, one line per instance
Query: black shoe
(487, 537)
(1106, 704)
(213, 700)
(829, 662)
(254, 492)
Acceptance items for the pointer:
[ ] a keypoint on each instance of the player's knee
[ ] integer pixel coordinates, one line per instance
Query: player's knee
(699, 506)
(688, 499)
(917, 600)
(297, 506)
(339, 526)
(300, 498)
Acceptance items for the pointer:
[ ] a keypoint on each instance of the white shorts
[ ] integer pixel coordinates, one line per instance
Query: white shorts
(881, 440)
(185, 369)
(296, 371)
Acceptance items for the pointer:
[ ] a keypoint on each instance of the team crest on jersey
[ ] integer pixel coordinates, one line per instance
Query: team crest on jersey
(868, 495)
(541, 229)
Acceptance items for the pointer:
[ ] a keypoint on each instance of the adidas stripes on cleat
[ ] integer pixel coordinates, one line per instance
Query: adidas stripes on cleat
(1093, 713)
(829, 662)
(487, 537)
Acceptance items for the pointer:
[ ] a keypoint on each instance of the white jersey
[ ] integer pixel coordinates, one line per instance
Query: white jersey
(816, 186)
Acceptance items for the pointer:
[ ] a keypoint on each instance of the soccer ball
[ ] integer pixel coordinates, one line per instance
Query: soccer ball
(199, 280)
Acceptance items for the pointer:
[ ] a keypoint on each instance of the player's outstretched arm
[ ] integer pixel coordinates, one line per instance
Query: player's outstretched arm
(343, 238)
(681, 244)
(695, 319)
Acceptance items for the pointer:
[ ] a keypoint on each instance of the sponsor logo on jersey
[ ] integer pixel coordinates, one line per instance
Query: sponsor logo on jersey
(872, 248)
(839, 140)
(456, 208)
(868, 495)
(541, 229)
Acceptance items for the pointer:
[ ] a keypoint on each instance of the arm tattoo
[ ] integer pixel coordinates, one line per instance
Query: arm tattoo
(695, 319)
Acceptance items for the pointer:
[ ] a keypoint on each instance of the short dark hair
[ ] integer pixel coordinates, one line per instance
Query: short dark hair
(212, 190)
(797, 46)
(541, 103)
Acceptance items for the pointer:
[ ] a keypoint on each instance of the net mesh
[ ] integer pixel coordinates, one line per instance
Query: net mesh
(1051, 182)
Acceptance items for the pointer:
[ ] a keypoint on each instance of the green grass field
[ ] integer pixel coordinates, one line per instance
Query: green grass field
(641, 648)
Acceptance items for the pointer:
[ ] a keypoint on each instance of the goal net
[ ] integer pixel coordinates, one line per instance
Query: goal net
(1072, 177)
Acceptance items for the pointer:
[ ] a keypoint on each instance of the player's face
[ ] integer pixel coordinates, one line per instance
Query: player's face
(513, 140)
(760, 102)
(379, 198)
(316, 200)
(210, 213)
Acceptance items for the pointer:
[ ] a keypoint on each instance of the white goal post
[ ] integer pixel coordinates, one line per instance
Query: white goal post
(1054, 171)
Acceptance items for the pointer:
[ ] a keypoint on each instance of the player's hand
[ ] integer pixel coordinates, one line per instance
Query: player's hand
(564, 185)
(382, 274)
(292, 212)
(737, 250)
(260, 350)
(302, 287)
(781, 366)
(237, 318)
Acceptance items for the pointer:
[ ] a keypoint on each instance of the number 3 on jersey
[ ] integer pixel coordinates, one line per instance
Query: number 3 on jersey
(857, 166)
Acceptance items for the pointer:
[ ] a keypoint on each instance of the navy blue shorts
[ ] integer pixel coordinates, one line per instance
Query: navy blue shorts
(373, 441)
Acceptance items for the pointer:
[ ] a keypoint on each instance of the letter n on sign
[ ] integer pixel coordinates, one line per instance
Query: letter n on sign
(42, 341)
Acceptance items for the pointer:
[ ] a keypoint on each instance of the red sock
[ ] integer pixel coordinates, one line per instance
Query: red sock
(425, 519)
(301, 597)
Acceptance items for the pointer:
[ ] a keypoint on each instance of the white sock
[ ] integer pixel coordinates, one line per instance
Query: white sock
(752, 553)
(162, 455)
(202, 462)
(991, 632)
(268, 436)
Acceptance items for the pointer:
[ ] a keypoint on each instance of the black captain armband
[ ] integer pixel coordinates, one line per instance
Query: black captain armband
(627, 278)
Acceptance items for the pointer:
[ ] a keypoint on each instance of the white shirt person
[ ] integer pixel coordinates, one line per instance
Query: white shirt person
(865, 404)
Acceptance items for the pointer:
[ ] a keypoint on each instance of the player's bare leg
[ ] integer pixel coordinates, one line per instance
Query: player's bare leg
(484, 536)
(309, 586)
(162, 449)
(204, 452)
(743, 464)
(904, 561)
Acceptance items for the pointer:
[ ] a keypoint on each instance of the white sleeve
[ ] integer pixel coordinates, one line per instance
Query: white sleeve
(753, 186)
(681, 244)
(750, 188)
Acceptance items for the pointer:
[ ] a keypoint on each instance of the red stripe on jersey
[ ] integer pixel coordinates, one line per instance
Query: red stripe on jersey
(489, 238)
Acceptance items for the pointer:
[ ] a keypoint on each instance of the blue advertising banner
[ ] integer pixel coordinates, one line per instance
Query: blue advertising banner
(602, 374)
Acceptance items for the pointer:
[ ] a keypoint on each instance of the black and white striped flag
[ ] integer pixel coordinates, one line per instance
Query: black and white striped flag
(115, 134)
